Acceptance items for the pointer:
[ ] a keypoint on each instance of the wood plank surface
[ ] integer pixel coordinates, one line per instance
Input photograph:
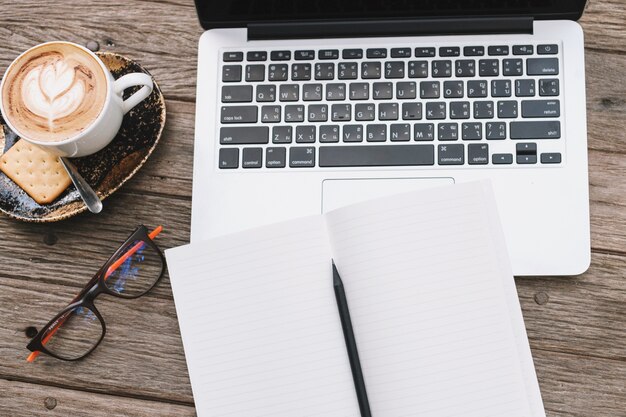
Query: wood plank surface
(576, 325)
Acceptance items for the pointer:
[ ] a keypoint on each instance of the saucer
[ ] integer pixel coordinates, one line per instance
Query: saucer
(107, 170)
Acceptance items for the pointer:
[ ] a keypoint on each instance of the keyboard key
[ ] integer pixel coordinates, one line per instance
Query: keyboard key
(289, 92)
(282, 134)
(448, 131)
(312, 92)
(536, 130)
(400, 132)
(335, 91)
(435, 110)
(364, 112)
(252, 158)
(476, 89)
(270, 114)
(524, 88)
(474, 51)
(257, 56)
(280, 55)
(374, 53)
(240, 114)
(460, 110)
(449, 51)
(406, 90)
(359, 91)
(275, 157)
(329, 133)
(541, 108)
(302, 157)
(382, 91)
(348, 71)
(231, 73)
(453, 89)
(472, 131)
(376, 133)
(304, 55)
(278, 72)
(512, 67)
(418, 69)
(318, 112)
(305, 134)
(502, 159)
(495, 130)
(265, 93)
(489, 67)
(233, 56)
(328, 54)
(394, 70)
(424, 52)
(526, 148)
(507, 109)
(294, 113)
(255, 73)
(429, 89)
(424, 131)
(352, 54)
(465, 68)
(388, 111)
(549, 87)
(498, 50)
(237, 94)
(229, 158)
(451, 154)
(551, 158)
(353, 133)
(548, 49)
(376, 155)
(523, 50)
(483, 110)
(411, 111)
(500, 88)
(324, 71)
(478, 154)
(301, 72)
(526, 159)
(245, 135)
(542, 66)
(370, 70)
(401, 52)
(442, 69)
(341, 112)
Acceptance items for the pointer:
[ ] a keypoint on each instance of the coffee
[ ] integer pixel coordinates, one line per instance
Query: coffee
(53, 92)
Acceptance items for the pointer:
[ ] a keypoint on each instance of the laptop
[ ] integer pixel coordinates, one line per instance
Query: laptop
(307, 106)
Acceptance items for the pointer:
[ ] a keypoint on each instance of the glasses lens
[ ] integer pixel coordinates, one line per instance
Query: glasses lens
(135, 270)
(74, 333)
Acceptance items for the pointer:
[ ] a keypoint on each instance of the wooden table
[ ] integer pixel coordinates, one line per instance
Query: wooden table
(576, 325)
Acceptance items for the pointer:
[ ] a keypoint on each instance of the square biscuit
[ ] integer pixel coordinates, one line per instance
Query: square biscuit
(36, 171)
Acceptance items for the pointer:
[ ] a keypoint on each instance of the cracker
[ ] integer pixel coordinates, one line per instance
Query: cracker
(36, 171)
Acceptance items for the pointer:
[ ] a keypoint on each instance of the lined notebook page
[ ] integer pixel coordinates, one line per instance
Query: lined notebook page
(425, 282)
(259, 323)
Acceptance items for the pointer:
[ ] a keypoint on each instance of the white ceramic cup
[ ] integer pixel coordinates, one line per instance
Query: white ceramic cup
(103, 129)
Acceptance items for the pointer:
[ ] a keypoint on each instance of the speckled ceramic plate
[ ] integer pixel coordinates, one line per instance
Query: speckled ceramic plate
(107, 170)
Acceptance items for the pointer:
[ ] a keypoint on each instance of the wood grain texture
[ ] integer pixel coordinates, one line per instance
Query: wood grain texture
(576, 325)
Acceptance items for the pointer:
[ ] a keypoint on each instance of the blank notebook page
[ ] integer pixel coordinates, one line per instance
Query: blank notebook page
(425, 276)
(259, 323)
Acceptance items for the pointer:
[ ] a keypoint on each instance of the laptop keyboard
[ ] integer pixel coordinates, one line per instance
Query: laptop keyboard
(452, 106)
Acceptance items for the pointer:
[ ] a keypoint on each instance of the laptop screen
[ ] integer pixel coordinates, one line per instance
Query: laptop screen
(235, 13)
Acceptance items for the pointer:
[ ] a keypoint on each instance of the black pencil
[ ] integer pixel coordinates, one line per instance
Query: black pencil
(348, 334)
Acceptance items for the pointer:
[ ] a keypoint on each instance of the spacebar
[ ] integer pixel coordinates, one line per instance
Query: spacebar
(376, 156)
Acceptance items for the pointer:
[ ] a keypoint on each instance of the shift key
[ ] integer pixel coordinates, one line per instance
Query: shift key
(536, 130)
(240, 114)
(247, 135)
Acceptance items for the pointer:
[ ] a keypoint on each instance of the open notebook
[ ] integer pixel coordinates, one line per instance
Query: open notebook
(433, 303)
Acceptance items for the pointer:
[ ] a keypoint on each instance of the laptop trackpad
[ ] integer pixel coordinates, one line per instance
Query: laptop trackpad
(340, 193)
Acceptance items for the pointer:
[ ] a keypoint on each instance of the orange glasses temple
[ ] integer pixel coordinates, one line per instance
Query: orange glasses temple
(112, 268)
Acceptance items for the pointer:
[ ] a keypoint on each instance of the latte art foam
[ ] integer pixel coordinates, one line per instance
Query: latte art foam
(54, 92)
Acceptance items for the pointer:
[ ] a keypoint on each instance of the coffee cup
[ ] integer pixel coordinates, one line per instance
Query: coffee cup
(61, 97)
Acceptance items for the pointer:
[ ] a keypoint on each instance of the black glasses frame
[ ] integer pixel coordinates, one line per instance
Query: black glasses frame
(92, 290)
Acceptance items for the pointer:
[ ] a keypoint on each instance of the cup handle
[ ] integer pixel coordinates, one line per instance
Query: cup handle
(132, 80)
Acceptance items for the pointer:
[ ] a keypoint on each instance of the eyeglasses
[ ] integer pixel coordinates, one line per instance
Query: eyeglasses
(132, 271)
